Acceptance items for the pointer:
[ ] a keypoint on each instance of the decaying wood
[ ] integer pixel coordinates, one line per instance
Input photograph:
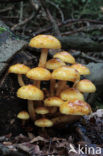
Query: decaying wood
(82, 43)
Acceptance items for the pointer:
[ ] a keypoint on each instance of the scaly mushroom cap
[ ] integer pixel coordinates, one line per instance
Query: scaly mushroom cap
(39, 73)
(30, 92)
(54, 63)
(75, 107)
(85, 86)
(45, 41)
(83, 70)
(41, 110)
(70, 94)
(65, 73)
(53, 101)
(18, 69)
(23, 115)
(43, 122)
(65, 57)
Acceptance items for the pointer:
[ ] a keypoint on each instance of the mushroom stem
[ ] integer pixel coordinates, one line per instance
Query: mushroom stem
(65, 118)
(37, 84)
(23, 122)
(75, 83)
(52, 87)
(31, 109)
(60, 87)
(43, 57)
(20, 80)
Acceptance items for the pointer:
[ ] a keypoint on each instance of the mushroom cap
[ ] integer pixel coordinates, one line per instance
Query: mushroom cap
(53, 101)
(43, 122)
(45, 41)
(41, 110)
(85, 86)
(39, 73)
(65, 73)
(54, 63)
(30, 92)
(75, 107)
(18, 69)
(23, 115)
(70, 94)
(65, 57)
(83, 70)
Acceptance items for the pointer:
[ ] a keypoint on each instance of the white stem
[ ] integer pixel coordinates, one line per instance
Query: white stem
(31, 109)
(43, 57)
(20, 80)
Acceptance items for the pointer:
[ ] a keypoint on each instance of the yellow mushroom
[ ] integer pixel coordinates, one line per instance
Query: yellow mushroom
(38, 74)
(64, 74)
(70, 94)
(23, 115)
(43, 122)
(45, 42)
(19, 69)
(30, 92)
(75, 107)
(65, 57)
(85, 86)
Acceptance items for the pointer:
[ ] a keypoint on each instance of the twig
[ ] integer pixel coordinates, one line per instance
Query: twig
(52, 20)
(70, 21)
(6, 9)
(23, 22)
(57, 7)
(85, 29)
(83, 55)
(9, 1)
(21, 12)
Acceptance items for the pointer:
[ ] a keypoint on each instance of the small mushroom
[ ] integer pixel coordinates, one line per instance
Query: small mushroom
(45, 42)
(42, 110)
(53, 102)
(65, 57)
(83, 70)
(43, 122)
(65, 73)
(53, 64)
(85, 86)
(38, 74)
(30, 92)
(70, 94)
(23, 115)
(19, 69)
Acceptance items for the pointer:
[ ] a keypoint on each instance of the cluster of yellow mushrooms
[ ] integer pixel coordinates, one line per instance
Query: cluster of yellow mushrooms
(60, 103)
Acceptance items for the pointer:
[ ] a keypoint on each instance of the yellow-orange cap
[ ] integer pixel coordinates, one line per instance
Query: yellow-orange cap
(18, 69)
(66, 73)
(70, 94)
(45, 41)
(85, 86)
(39, 73)
(54, 63)
(30, 92)
(83, 70)
(75, 107)
(23, 115)
(65, 57)
(42, 110)
(43, 122)
(53, 101)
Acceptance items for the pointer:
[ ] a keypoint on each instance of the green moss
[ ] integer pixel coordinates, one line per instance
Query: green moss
(2, 29)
